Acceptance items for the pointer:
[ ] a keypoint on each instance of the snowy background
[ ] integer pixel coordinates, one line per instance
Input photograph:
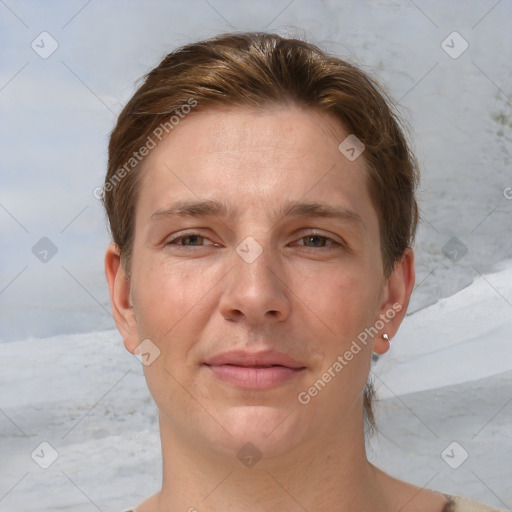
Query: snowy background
(65, 378)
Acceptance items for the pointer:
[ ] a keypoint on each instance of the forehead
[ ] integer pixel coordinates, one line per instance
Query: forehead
(254, 159)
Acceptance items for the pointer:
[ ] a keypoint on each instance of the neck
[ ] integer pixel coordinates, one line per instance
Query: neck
(325, 473)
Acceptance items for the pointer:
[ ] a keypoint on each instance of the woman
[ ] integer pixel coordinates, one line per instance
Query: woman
(261, 200)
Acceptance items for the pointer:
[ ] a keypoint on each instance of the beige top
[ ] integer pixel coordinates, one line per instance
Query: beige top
(460, 504)
(456, 504)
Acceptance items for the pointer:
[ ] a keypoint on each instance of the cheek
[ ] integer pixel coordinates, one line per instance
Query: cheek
(164, 295)
(348, 306)
(168, 312)
(346, 302)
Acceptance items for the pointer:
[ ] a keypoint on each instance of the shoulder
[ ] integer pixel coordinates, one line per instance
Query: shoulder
(460, 504)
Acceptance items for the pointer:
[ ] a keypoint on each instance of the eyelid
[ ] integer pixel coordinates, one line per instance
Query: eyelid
(317, 232)
(334, 241)
(184, 234)
(312, 232)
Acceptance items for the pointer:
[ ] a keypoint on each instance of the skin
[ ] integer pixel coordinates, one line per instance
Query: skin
(307, 297)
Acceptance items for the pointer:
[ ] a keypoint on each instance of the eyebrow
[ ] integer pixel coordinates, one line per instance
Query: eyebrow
(213, 208)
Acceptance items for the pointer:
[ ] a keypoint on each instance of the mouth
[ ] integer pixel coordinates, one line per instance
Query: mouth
(256, 371)
(255, 377)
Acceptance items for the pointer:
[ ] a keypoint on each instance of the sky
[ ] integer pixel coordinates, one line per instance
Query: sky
(68, 67)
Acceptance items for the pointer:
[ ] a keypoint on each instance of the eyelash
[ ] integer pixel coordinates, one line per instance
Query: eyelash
(333, 244)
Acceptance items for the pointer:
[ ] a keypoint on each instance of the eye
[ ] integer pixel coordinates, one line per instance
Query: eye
(317, 241)
(194, 239)
(188, 240)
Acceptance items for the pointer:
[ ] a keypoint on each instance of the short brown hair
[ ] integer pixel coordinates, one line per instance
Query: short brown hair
(258, 70)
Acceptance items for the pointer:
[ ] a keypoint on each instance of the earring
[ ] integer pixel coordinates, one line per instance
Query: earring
(386, 337)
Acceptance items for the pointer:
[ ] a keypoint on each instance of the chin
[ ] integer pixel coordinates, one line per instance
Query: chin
(268, 431)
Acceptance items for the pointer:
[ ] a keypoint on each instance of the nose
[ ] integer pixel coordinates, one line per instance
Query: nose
(255, 289)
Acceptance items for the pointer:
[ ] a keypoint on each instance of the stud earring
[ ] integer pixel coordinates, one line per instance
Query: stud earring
(386, 337)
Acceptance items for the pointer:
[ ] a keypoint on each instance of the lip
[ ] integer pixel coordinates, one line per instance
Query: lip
(245, 358)
(254, 370)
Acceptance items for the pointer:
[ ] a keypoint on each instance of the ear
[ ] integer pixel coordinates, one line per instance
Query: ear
(119, 287)
(395, 300)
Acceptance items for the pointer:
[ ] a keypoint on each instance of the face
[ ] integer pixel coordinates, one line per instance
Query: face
(256, 264)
